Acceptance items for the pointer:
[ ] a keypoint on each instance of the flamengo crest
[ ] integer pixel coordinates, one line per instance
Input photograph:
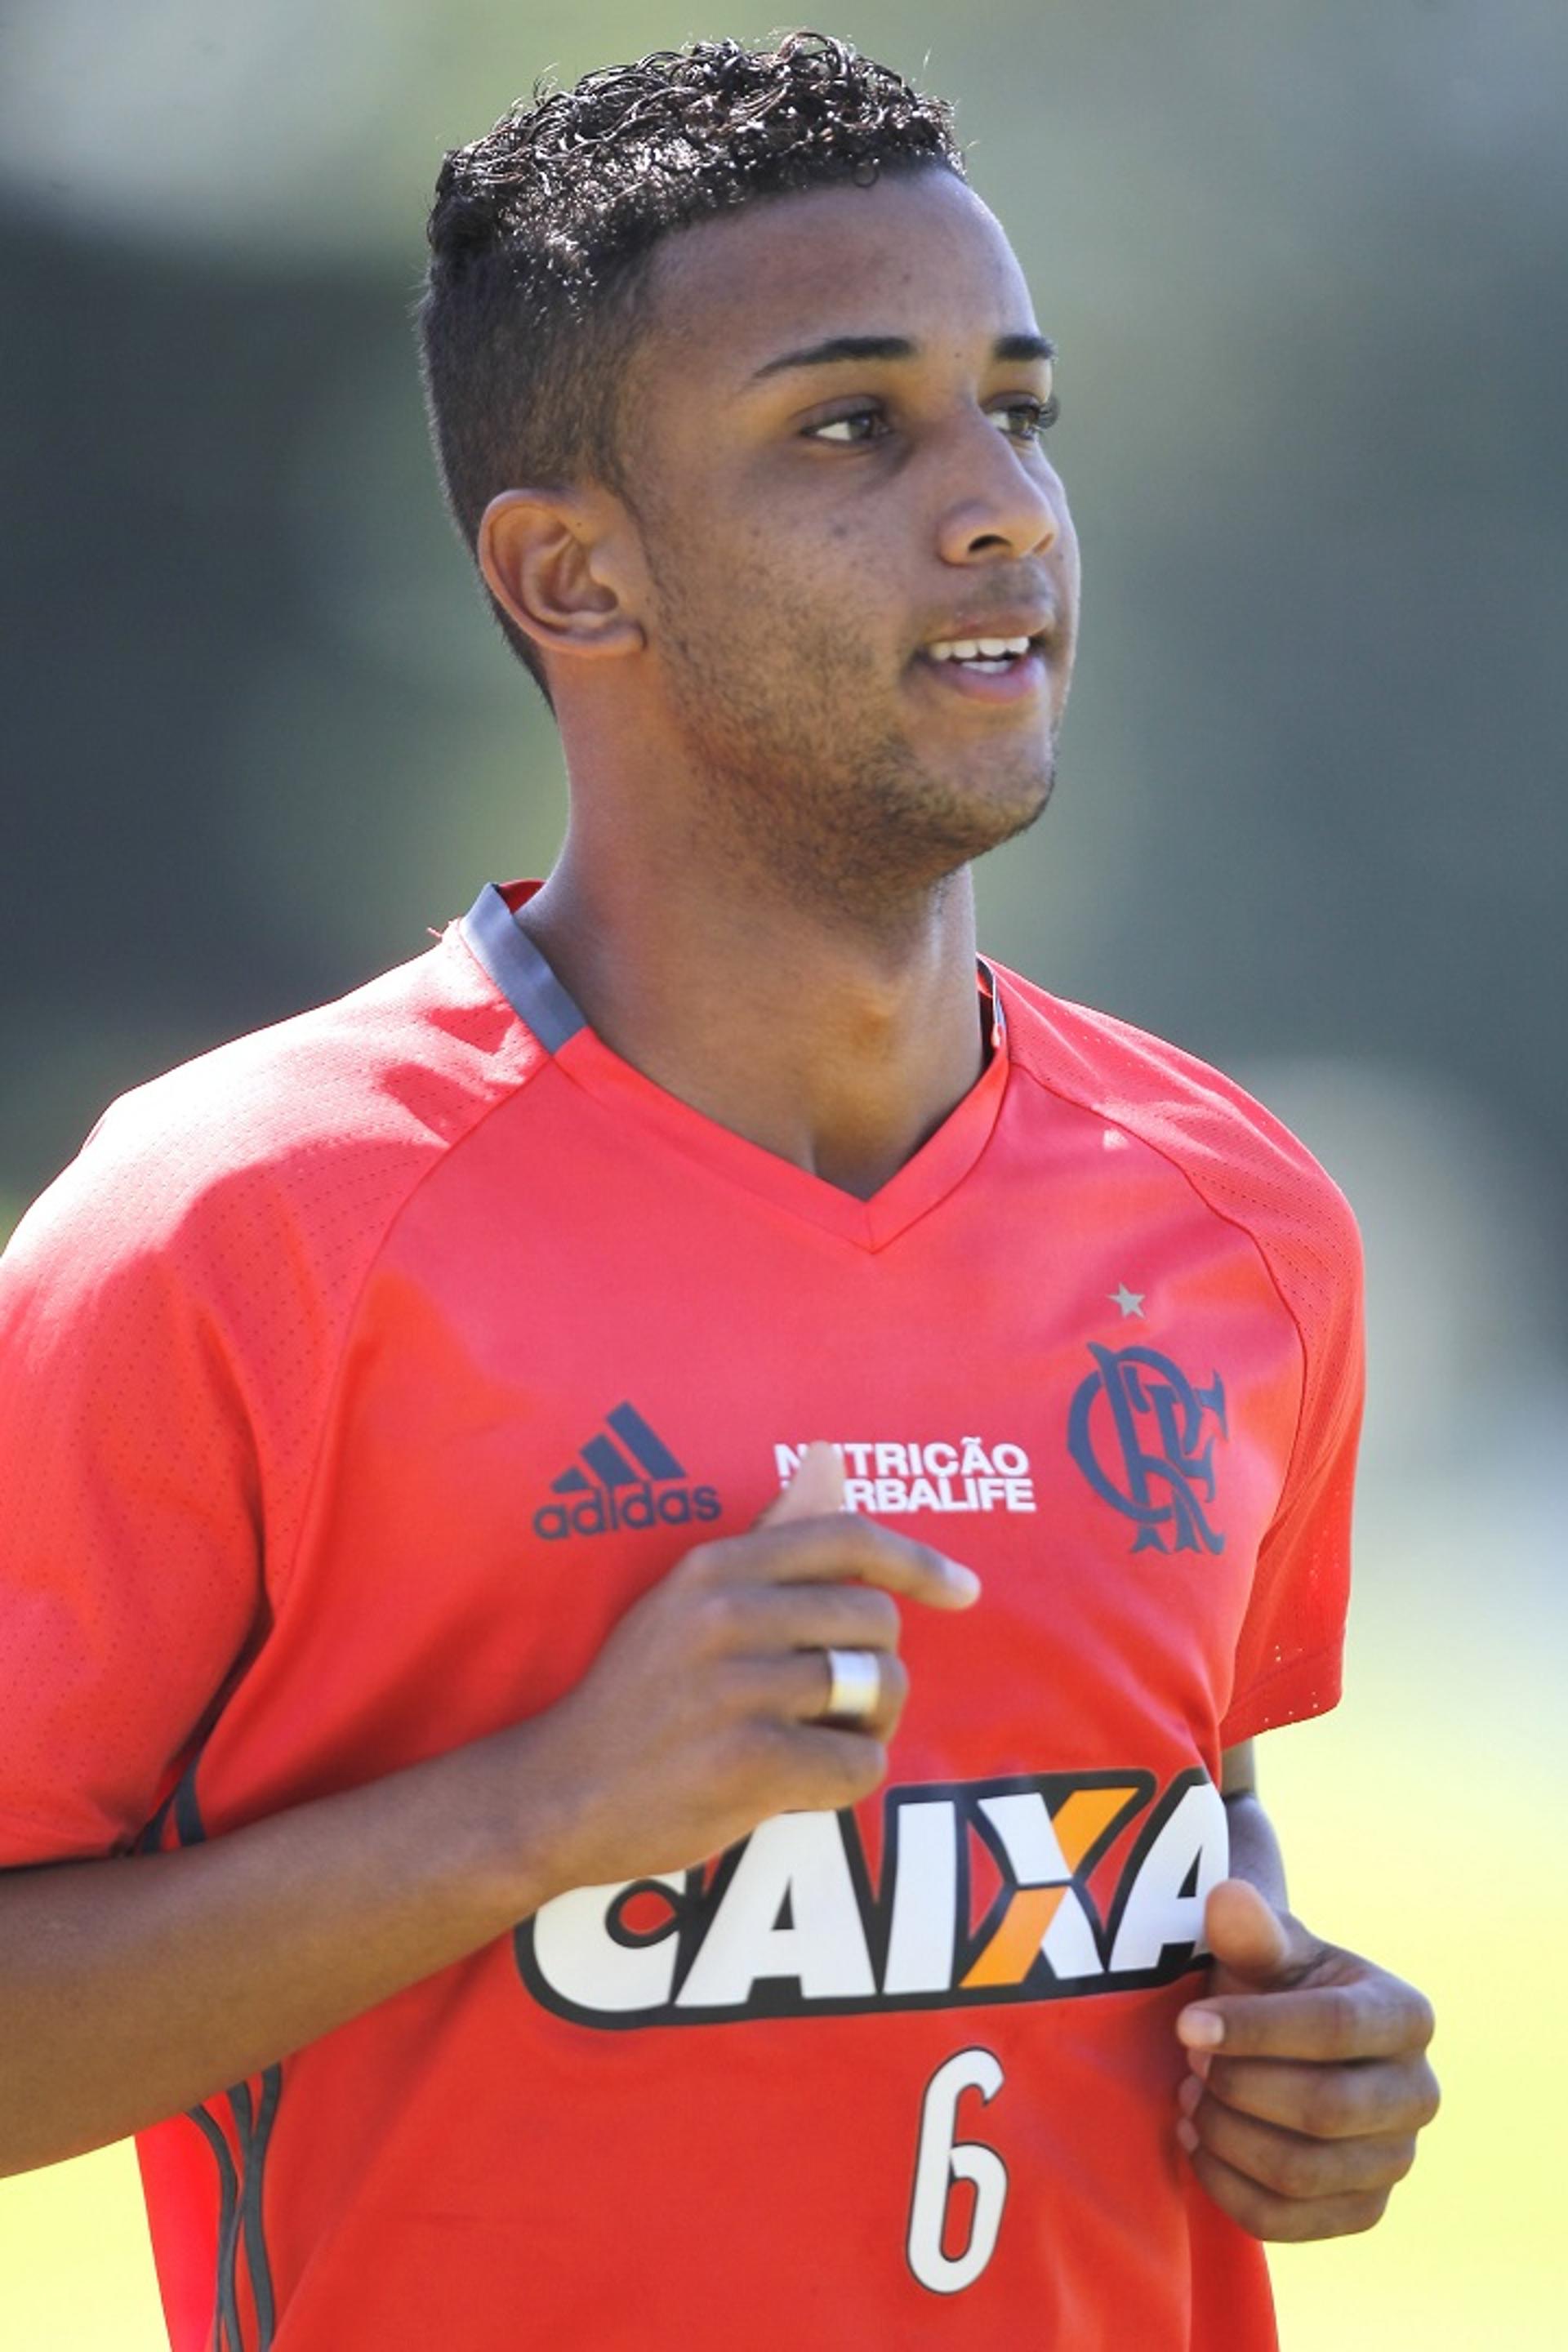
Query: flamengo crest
(1134, 1431)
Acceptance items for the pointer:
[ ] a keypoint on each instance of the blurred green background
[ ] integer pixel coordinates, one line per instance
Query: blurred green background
(1306, 265)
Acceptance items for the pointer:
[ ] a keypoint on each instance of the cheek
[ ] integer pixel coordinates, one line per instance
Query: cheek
(774, 605)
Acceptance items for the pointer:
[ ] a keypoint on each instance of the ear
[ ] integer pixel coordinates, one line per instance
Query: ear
(563, 568)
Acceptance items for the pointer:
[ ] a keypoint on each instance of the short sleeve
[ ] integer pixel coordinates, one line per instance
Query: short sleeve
(174, 1316)
(1289, 1652)
(130, 1539)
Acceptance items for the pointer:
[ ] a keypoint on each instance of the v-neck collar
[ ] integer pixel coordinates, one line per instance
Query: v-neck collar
(525, 978)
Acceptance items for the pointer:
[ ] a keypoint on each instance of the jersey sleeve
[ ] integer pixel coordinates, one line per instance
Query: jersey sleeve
(1289, 1650)
(173, 1318)
(130, 1555)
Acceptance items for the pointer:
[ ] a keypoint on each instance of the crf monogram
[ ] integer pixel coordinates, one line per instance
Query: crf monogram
(1142, 1397)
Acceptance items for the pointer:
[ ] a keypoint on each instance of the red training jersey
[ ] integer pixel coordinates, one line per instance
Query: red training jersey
(359, 1376)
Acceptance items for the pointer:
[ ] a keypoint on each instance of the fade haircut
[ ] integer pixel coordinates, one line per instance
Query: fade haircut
(541, 231)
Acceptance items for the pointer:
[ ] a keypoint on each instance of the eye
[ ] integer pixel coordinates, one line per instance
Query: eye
(842, 428)
(1038, 415)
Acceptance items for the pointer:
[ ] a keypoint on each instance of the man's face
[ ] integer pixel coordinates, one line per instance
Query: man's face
(814, 525)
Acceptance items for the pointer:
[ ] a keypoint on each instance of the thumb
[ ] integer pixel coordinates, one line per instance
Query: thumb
(817, 1488)
(1249, 1939)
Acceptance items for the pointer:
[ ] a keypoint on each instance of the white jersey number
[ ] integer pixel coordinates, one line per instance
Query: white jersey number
(939, 2161)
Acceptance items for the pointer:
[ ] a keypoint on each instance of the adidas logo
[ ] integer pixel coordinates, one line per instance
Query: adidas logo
(634, 1483)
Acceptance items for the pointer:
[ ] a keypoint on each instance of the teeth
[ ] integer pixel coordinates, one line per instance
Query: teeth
(977, 648)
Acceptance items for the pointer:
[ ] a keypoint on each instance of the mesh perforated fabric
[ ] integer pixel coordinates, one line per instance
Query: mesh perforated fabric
(1252, 1172)
(173, 1312)
(312, 1344)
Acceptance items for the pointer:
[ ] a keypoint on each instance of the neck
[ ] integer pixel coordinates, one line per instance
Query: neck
(838, 1042)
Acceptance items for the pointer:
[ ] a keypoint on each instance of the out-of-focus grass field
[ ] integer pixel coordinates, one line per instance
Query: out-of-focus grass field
(1421, 1827)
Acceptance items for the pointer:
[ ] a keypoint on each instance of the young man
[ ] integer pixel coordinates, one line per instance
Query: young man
(396, 1405)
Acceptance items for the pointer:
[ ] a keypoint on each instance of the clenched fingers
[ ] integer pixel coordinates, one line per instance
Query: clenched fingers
(838, 1768)
(840, 1549)
(1290, 2164)
(1265, 2214)
(1332, 2103)
(759, 1620)
(795, 1688)
(1375, 2016)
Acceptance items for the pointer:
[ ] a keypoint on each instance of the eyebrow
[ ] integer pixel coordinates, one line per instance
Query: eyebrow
(840, 348)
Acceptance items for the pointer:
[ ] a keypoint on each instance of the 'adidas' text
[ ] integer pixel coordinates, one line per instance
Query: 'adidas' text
(605, 1510)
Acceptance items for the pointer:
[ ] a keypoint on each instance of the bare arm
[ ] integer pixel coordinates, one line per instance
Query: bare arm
(1255, 1852)
(134, 1987)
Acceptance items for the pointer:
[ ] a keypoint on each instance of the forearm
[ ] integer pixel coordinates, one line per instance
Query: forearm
(133, 1988)
(1255, 1852)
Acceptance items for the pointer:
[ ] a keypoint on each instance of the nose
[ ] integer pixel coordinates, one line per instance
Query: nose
(1009, 501)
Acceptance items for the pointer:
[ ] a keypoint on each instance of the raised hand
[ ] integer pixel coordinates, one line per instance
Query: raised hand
(1310, 2080)
(703, 1713)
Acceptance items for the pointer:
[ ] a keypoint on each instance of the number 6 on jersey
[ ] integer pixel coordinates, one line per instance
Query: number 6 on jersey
(941, 2160)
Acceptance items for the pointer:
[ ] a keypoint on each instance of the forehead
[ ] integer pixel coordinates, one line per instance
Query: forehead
(916, 254)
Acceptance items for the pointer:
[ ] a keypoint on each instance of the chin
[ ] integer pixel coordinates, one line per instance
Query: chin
(1008, 805)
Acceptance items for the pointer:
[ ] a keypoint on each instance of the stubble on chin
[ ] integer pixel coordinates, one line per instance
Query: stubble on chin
(830, 812)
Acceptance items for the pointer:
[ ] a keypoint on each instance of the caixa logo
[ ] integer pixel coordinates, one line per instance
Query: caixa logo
(982, 1897)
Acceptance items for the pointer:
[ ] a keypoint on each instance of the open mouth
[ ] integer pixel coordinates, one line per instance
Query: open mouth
(988, 670)
(984, 657)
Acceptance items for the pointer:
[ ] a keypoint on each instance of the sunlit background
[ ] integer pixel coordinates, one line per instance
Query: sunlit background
(1308, 265)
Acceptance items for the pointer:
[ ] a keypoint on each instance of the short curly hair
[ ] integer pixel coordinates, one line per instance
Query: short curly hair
(540, 234)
